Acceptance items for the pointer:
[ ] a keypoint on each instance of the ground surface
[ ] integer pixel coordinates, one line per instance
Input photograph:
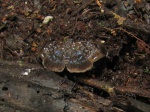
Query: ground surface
(121, 26)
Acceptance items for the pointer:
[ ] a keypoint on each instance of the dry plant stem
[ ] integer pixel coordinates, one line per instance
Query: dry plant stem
(138, 26)
(133, 90)
(146, 45)
(82, 7)
(12, 52)
(98, 84)
(131, 35)
(138, 39)
(91, 96)
(127, 23)
(98, 3)
(1, 49)
(91, 109)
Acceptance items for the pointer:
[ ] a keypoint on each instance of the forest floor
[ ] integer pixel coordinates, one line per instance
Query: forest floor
(121, 77)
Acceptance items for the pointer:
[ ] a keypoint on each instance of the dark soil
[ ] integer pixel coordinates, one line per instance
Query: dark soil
(121, 26)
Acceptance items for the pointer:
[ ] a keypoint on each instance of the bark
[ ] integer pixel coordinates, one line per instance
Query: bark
(28, 88)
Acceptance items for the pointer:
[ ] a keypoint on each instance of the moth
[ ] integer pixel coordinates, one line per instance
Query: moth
(75, 56)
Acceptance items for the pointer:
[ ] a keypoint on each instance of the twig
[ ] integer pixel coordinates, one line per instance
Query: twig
(82, 7)
(126, 22)
(1, 49)
(145, 46)
(133, 90)
(98, 84)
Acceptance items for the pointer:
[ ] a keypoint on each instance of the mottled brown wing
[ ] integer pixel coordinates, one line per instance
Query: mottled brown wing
(53, 57)
(75, 60)
(77, 63)
(90, 51)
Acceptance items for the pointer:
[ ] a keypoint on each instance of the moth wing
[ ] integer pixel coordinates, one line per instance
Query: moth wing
(91, 52)
(53, 57)
(76, 61)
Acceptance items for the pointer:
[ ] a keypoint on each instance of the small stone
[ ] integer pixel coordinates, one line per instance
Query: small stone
(47, 19)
